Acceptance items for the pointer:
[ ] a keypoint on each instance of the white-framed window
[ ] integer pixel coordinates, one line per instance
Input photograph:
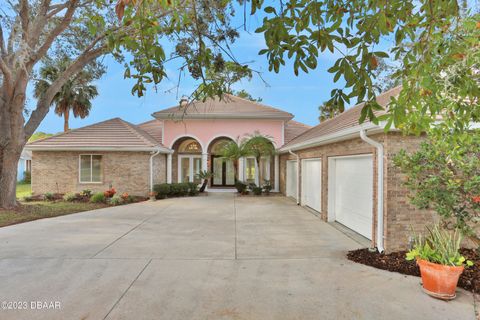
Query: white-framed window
(90, 168)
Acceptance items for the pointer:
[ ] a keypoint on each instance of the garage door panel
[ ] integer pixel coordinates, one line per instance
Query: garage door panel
(312, 183)
(353, 192)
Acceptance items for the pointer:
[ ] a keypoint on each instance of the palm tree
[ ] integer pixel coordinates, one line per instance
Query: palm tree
(75, 95)
(234, 150)
(259, 146)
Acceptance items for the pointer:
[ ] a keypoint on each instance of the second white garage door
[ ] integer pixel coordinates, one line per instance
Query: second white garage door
(351, 192)
(312, 183)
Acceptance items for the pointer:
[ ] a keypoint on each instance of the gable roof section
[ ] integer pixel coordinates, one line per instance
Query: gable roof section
(343, 122)
(229, 107)
(293, 129)
(154, 128)
(114, 134)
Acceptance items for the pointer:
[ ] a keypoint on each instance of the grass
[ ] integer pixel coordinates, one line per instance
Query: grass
(23, 190)
(29, 211)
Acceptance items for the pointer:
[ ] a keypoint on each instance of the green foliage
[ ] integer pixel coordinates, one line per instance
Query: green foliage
(86, 193)
(115, 200)
(170, 190)
(48, 196)
(257, 190)
(439, 246)
(267, 187)
(444, 175)
(328, 111)
(27, 177)
(39, 135)
(245, 95)
(162, 190)
(74, 96)
(204, 175)
(98, 197)
(240, 186)
(69, 196)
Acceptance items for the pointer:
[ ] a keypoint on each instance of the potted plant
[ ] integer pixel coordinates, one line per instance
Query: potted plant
(204, 176)
(440, 262)
(152, 195)
(267, 187)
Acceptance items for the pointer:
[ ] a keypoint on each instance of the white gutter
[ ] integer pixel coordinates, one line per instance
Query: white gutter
(154, 154)
(380, 200)
(298, 176)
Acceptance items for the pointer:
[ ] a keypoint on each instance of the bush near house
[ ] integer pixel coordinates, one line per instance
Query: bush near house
(241, 186)
(98, 197)
(172, 190)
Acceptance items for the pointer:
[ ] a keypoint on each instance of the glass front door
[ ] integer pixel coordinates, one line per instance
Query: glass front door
(223, 172)
(189, 167)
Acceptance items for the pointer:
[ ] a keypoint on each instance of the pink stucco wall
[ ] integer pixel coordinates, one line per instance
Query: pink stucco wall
(207, 130)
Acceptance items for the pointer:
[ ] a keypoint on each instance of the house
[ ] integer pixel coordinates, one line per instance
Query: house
(341, 169)
(344, 171)
(173, 147)
(24, 165)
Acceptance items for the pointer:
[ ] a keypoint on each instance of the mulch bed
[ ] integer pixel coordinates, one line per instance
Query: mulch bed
(395, 261)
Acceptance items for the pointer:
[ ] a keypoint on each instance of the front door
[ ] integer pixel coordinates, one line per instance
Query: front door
(223, 172)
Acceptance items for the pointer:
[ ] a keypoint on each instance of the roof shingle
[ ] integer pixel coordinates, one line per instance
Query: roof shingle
(113, 133)
(347, 119)
(229, 106)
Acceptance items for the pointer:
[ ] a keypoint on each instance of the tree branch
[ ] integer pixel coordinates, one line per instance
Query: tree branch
(44, 102)
(2, 43)
(24, 18)
(7, 75)
(55, 32)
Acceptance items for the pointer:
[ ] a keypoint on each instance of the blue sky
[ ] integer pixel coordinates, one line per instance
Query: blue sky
(301, 95)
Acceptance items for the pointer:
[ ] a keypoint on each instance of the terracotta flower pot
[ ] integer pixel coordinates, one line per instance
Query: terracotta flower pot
(439, 281)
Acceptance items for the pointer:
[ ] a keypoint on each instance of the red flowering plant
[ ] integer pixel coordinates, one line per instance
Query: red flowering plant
(444, 175)
(125, 196)
(110, 192)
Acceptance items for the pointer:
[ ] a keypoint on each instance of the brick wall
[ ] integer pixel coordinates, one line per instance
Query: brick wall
(400, 216)
(54, 171)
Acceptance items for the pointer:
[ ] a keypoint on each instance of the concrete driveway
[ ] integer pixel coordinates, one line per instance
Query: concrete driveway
(215, 257)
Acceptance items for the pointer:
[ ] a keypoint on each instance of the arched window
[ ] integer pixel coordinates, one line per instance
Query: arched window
(190, 146)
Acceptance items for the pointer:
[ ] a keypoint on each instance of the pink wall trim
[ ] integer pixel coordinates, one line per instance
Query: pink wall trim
(207, 130)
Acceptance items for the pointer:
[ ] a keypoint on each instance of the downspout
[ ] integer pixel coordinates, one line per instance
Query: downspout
(298, 175)
(153, 154)
(380, 200)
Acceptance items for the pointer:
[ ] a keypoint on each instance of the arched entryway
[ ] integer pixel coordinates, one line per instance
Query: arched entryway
(223, 170)
(187, 160)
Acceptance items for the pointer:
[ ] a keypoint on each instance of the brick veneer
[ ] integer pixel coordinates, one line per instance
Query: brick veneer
(400, 216)
(55, 171)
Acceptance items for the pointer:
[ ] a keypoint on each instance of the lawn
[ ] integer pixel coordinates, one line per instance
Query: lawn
(23, 190)
(29, 211)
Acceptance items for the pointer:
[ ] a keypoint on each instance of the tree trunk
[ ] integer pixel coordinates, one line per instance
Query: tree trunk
(8, 177)
(66, 116)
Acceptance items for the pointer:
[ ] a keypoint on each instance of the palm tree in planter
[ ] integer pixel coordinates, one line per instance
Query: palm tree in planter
(258, 146)
(75, 95)
(204, 176)
(234, 150)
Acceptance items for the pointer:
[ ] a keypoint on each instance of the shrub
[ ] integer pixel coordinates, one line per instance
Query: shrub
(98, 197)
(444, 175)
(184, 189)
(192, 189)
(86, 193)
(257, 190)
(115, 200)
(48, 196)
(27, 177)
(125, 196)
(267, 187)
(162, 190)
(240, 186)
(69, 196)
(110, 193)
(439, 246)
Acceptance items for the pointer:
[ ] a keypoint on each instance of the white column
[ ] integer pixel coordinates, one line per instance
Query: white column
(241, 169)
(257, 174)
(276, 168)
(204, 161)
(169, 168)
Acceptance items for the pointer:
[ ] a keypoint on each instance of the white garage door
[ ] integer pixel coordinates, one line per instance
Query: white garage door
(351, 189)
(312, 183)
(291, 178)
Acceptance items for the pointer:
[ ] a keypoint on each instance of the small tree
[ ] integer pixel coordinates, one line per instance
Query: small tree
(444, 175)
(258, 146)
(234, 150)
